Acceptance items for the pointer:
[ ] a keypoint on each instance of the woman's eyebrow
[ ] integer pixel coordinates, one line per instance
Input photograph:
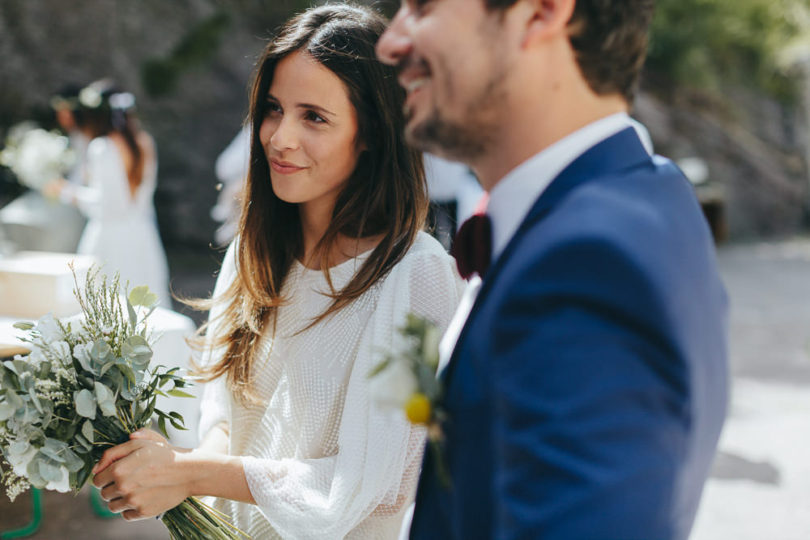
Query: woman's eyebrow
(314, 107)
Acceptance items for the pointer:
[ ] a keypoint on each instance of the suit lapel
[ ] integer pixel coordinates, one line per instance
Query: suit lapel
(616, 153)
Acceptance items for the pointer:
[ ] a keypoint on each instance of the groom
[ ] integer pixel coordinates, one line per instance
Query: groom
(586, 385)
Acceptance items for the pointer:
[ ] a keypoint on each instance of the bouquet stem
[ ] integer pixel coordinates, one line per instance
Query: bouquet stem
(194, 520)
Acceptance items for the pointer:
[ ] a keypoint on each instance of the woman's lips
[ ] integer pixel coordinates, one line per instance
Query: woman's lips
(284, 167)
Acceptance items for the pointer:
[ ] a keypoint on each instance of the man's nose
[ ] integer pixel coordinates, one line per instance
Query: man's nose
(395, 43)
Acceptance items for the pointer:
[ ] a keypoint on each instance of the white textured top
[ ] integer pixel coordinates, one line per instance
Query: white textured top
(321, 459)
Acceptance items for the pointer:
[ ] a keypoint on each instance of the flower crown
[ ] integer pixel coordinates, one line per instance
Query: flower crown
(93, 98)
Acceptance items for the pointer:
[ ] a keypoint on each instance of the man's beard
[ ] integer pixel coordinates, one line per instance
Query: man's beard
(458, 141)
(453, 141)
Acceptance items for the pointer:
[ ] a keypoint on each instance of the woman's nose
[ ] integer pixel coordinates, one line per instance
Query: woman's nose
(284, 137)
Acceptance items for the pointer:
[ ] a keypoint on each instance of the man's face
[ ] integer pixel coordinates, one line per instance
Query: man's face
(453, 61)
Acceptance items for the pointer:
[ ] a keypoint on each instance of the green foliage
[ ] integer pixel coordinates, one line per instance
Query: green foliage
(160, 75)
(710, 43)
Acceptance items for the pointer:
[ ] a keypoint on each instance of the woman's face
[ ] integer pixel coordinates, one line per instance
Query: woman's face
(309, 134)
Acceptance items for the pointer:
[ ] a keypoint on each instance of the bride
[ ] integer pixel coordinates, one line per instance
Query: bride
(120, 178)
(329, 260)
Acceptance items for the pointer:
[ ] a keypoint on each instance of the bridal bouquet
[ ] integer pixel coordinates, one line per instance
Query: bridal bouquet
(36, 156)
(407, 381)
(86, 385)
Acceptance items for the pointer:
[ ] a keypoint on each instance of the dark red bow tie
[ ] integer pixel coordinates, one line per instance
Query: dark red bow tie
(472, 246)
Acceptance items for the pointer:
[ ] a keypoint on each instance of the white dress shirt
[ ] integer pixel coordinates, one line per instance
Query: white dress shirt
(512, 198)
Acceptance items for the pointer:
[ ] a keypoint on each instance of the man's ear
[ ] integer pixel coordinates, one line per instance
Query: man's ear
(544, 20)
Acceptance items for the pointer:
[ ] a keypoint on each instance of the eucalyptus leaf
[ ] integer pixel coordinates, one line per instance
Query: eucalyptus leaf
(87, 431)
(54, 454)
(127, 393)
(142, 296)
(18, 448)
(105, 368)
(6, 411)
(72, 461)
(85, 404)
(11, 367)
(35, 401)
(127, 371)
(106, 399)
(23, 325)
(32, 474)
(50, 472)
(101, 351)
(82, 352)
(13, 399)
(86, 445)
(137, 350)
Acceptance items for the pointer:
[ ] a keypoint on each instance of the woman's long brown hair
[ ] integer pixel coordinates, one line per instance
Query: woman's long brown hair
(385, 196)
(102, 118)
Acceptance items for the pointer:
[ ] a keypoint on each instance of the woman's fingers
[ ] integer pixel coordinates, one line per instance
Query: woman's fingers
(149, 435)
(114, 454)
(132, 515)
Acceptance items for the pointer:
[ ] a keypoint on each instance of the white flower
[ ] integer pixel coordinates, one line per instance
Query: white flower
(393, 386)
(38, 157)
(63, 484)
(49, 328)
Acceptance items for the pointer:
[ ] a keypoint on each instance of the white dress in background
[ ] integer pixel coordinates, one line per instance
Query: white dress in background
(122, 230)
(321, 459)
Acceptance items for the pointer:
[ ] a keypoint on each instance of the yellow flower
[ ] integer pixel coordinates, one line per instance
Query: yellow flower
(417, 408)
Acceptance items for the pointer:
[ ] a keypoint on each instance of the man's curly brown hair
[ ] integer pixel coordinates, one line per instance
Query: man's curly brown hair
(609, 38)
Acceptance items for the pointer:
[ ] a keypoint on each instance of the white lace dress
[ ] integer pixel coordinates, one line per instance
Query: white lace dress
(121, 229)
(321, 459)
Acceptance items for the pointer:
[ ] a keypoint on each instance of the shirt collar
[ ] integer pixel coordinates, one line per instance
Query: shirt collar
(512, 198)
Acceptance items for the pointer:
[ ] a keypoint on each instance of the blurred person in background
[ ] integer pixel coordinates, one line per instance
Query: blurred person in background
(231, 169)
(329, 262)
(65, 105)
(121, 175)
(38, 223)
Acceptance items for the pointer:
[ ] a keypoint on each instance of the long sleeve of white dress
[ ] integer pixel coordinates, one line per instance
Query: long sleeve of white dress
(322, 460)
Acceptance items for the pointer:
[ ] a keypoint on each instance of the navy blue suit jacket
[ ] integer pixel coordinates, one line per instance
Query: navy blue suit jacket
(587, 390)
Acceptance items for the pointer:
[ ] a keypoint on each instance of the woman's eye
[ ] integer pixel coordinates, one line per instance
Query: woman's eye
(273, 107)
(312, 116)
(419, 7)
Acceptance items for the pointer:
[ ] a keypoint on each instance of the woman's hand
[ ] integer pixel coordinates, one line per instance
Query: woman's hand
(143, 477)
(53, 189)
